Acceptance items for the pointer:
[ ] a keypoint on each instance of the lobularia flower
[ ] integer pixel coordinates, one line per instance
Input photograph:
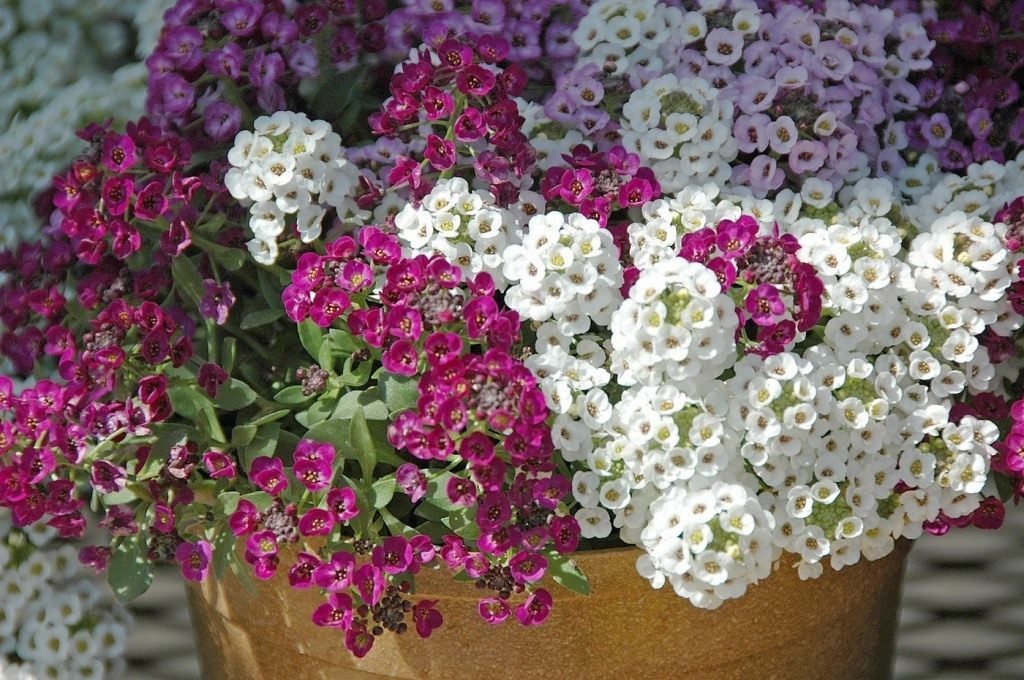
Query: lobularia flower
(676, 327)
(566, 269)
(291, 171)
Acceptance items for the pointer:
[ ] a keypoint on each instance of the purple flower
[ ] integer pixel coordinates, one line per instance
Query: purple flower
(241, 18)
(216, 301)
(227, 61)
(807, 156)
(210, 378)
(335, 574)
(300, 576)
(723, 46)
(394, 555)
(937, 130)
(118, 152)
(426, 617)
(107, 477)
(369, 580)
(194, 559)
(221, 120)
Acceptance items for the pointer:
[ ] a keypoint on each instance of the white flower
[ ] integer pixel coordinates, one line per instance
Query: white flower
(594, 522)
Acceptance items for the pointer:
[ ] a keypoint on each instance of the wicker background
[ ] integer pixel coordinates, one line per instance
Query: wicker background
(962, 618)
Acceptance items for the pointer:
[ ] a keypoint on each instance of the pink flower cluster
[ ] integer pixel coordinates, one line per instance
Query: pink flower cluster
(599, 183)
(457, 89)
(781, 296)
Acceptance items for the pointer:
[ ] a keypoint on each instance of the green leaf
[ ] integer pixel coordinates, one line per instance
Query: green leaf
(130, 572)
(427, 510)
(565, 572)
(437, 492)
(318, 411)
(383, 491)
(326, 356)
(234, 395)
(344, 340)
(270, 417)
(231, 259)
(311, 336)
(399, 528)
(363, 445)
(292, 395)
(271, 289)
(400, 393)
(368, 401)
(361, 522)
(227, 502)
(334, 432)
(242, 435)
(261, 499)
(260, 317)
(263, 444)
(463, 523)
(356, 374)
(187, 278)
(223, 549)
(228, 352)
(190, 403)
(158, 452)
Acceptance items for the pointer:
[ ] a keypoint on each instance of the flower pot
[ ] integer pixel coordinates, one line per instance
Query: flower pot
(839, 626)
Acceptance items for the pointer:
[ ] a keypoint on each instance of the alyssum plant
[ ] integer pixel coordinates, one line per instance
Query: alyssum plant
(680, 275)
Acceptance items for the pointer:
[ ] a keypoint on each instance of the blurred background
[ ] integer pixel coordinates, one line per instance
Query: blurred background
(962, 615)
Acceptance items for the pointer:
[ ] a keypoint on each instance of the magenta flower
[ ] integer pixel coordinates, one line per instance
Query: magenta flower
(150, 202)
(219, 464)
(493, 610)
(328, 304)
(316, 522)
(440, 152)
(358, 640)
(118, 152)
(300, 575)
(369, 580)
(94, 557)
(565, 533)
(335, 574)
(268, 474)
(528, 566)
(245, 519)
(535, 610)
(262, 544)
(461, 491)
(106, 477)
(394, 555)
(426, 617)
(336, 613)
(765, 305)
(412, 481)
(401, 358)
(194, 559)
(315, 475)
(342, 502)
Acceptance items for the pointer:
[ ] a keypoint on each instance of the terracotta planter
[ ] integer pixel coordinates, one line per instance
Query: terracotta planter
(840, 626)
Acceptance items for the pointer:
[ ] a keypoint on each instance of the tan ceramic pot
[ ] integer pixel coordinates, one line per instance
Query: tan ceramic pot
(840, 627)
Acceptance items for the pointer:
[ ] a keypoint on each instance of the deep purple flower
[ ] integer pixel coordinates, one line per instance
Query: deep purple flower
(194, 559)
(342, 502)
(426, 617)
(216, 301)
(210, 378)
(219, 464)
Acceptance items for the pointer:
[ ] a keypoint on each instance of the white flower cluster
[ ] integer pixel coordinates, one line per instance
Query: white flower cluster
(289, 168)
(677, 327)
(620, 36)
(54, 622)
(981, 192)
(682, 130)
(465, 226)
(52, 84)
(566, 269)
